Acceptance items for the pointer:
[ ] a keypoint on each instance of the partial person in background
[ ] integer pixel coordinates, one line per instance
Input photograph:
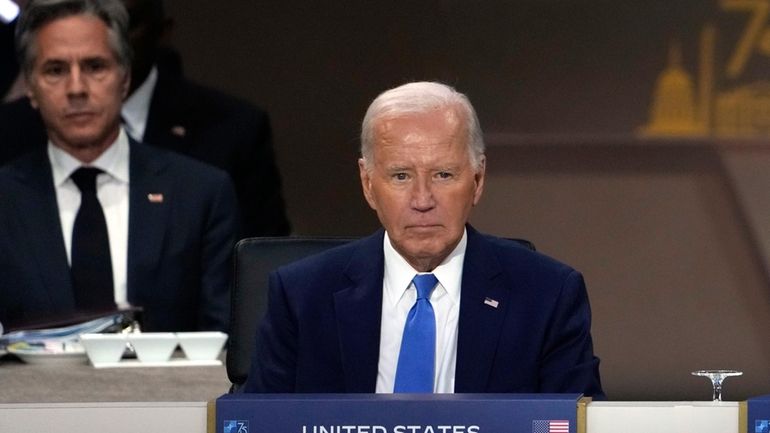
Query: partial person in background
(9, 70)
(11, 85)
(95, 220)
(428, 304)
(166, 110)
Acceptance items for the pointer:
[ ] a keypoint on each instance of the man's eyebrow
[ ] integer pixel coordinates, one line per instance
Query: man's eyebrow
(95, 59)
(54, 60)
(397, 168)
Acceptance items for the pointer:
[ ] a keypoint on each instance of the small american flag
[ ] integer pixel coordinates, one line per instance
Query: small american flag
(491, 302)
(155, 198)
(550, 426)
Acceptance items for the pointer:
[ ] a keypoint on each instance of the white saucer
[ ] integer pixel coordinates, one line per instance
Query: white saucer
(178, 362)
(50, 358)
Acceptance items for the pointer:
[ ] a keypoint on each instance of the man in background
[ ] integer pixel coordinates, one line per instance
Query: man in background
(166, 110)
(95, 220)
(9, 70)
(428, 304)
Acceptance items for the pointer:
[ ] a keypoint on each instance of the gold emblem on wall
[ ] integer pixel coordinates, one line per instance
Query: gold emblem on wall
(680, 109)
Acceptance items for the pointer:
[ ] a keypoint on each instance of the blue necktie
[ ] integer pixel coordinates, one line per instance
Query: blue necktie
(418, 344)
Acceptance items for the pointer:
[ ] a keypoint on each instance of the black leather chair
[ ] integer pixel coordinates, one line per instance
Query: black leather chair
(254, 259)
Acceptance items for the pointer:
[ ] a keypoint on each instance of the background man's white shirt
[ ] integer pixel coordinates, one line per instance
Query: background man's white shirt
(112, 188)
(136, 108)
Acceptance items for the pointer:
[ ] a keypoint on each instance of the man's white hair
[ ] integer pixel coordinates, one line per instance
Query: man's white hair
(417, 98)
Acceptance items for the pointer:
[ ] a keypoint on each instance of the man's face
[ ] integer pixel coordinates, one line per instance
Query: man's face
(77, 83)
(422, 184)
(144, 34)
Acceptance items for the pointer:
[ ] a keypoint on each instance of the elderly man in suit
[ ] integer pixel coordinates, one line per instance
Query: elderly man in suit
(166, 110)
(96, 220)
(428, 304)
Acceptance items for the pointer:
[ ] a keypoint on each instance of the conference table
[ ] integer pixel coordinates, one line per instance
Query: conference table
(80, 398)
(76, 397)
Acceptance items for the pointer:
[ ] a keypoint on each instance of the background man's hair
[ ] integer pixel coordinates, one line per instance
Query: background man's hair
(38, 13)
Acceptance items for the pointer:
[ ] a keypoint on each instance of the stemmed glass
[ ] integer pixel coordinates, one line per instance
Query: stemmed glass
(717, 377)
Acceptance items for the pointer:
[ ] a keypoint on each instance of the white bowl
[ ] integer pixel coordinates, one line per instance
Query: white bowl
(103, 348)
(153, 346)
(202, 346)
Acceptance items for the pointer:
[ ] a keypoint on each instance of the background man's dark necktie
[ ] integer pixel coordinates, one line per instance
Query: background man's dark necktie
(91, 263)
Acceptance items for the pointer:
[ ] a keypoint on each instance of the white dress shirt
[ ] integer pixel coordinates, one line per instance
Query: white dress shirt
(398, 296)
(136, 108)
(112, 191)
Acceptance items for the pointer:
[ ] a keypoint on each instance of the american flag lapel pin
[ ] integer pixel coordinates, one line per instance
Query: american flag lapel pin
(178, 131)
(156, 197)
(491, 302)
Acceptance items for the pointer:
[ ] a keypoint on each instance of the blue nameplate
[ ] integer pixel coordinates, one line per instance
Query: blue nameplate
(759, 414)
(397, 413)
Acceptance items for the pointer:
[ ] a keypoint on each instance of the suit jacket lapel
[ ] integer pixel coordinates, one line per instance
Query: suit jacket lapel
(39, 214)
(480, 324)
(166, 120)
(359, 313)
(149, 196)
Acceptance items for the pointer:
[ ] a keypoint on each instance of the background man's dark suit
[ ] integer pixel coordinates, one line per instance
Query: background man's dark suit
(192, 120)
(21, 130)
(179, 250)
(321, 332)
(223, 131)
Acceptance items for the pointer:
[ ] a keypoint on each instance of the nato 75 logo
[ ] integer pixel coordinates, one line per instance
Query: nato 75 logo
(762, 426)
(236, 426)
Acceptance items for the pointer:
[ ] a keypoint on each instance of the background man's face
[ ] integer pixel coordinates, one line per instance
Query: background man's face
(422, 184)
(77, 83)
(145, 31)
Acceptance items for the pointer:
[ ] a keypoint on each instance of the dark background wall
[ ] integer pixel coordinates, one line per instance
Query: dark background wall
(529, 66)
(669, 232)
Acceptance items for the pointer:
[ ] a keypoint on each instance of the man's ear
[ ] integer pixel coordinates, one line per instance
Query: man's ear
(478, 178)
(366, 183)
(30, 94)
(126, 83)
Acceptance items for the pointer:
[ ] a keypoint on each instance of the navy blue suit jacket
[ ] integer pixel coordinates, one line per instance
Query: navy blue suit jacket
(179, 250)
(321, 332)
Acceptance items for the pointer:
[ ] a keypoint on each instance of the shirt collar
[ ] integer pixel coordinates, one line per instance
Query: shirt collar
(400, 273)
(137, 105)
(114, 161)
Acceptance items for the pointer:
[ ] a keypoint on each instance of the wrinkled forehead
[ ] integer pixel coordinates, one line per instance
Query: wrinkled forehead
(434, 138)
(78, 34)
(441, 120)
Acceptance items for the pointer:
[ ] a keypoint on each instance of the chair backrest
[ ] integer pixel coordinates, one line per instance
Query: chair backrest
(254, 259)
